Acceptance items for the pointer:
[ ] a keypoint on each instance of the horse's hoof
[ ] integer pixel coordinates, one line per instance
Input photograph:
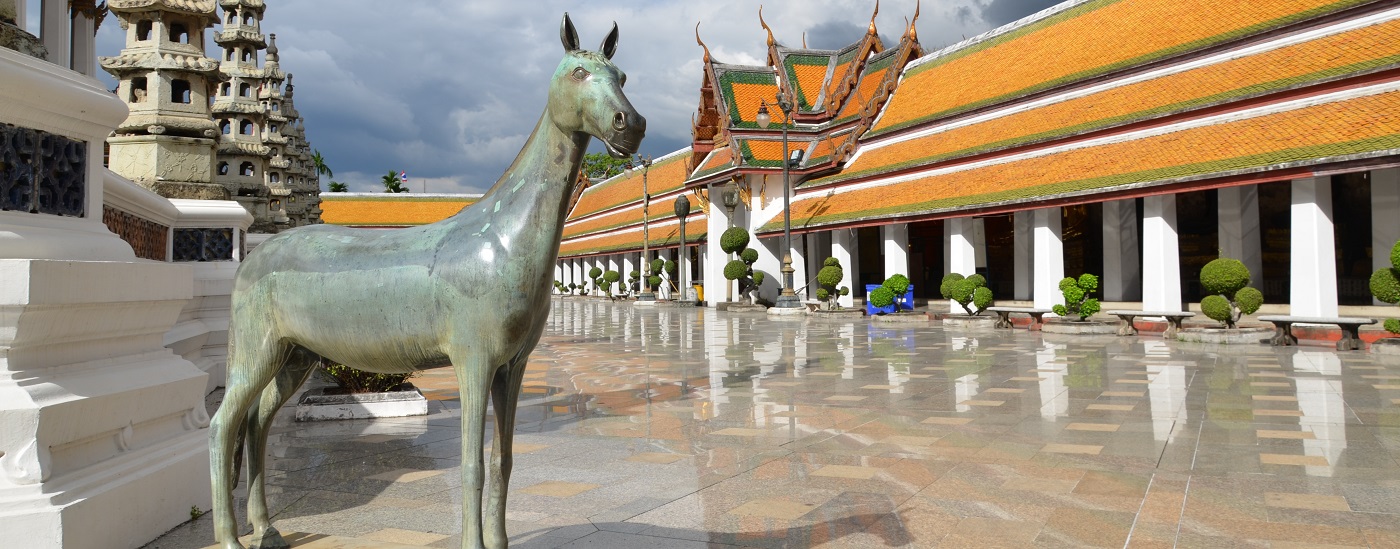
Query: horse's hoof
(268, 539)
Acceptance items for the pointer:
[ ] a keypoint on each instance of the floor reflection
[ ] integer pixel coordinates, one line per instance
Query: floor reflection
(688, 427)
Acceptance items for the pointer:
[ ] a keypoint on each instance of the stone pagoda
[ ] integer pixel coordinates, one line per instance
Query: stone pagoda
(167, 142)
(250, 138)
(303, 203)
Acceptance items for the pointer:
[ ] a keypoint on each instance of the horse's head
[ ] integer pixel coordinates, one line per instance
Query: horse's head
(585, 95)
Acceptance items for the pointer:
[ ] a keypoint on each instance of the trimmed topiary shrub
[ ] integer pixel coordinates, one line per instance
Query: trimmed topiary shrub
(1077, 300)
(898, 285)
(594, 273)
(733, 240)
(609, 279)
(1385, 286)
(828, 278)
(1226, 281)
(966, 291)
(882, 297)
(741, 270)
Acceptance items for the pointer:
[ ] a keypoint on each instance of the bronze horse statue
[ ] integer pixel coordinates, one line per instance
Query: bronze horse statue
(471, 291)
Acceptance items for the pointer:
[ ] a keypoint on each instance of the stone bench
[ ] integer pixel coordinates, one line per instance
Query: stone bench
(1174, 319)
(1004, 315)
(1283, 325)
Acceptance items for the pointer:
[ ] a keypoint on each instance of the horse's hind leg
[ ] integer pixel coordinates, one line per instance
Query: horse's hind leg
(254, 359)
(294, 373)
(505, 393)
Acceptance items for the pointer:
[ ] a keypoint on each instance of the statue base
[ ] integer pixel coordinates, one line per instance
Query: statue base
(789, 301)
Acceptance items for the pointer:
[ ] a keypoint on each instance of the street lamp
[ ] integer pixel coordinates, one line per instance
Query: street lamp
(787, 299)
(646, 295)
(682, 206)
(730, 196)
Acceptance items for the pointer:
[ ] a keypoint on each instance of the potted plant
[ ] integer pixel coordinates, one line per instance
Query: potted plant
(972, 294)
(893, 301)
(1229, 297)
(360, 395)
(830, 291)
(1385, 286)
(741, 270)
(1078, 307)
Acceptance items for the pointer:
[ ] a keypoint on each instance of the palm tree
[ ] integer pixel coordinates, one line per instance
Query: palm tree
(338, 187)
(321, 167)
(392, 184)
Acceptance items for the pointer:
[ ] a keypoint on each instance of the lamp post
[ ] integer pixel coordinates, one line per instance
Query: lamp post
(730, 196)
(787, 299)
(682, 206)
(646, 295)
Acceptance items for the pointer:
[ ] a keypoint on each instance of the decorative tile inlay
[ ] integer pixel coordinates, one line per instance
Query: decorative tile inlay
(557, 489)
(203, 244)
(147, 238)
(1289, 459)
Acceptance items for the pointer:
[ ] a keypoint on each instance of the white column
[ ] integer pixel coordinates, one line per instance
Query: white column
(1239, 229)
(558, 271)
(664, 292)
(1122, 269)
(55, 24)
(1049, 258)
(1021, 225)
(576, 271)
(843, 248)
(769, 262)
(1161, 258)
(800, 279)
(629, 264)
(1385, 210)
(894, 242)
(1313, 272)
(962, 255)
(717, 289)
(82, 31)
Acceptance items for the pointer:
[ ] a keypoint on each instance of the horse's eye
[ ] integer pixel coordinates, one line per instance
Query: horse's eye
(580, 73)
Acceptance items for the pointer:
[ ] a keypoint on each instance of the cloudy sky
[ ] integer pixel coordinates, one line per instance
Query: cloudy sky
(447, 90)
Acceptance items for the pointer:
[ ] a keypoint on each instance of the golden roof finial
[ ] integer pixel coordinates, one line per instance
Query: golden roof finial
(771, 41)
(804, 40)
(701, 42)
(913, 33)
(871, 29)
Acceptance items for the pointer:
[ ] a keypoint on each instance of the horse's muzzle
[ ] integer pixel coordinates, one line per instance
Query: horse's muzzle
(628, 131)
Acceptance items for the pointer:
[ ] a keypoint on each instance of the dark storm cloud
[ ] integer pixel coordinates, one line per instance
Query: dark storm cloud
(1000, 12)
(448, 90)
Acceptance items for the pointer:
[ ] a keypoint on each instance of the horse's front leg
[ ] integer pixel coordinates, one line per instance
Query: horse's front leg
(505, 393)
(474, 373)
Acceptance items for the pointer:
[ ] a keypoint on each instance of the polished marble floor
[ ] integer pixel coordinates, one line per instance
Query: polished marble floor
(684, 427)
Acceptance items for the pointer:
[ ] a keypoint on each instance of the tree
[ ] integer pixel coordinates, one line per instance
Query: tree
(321, 167)
(603, 165)
(338, 187)
(392, 183)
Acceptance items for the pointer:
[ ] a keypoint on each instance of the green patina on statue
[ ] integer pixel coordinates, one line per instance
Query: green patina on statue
(471, 291)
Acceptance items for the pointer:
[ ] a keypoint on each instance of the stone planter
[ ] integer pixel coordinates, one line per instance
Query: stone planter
(315, 405)
(1226, 336)
(840, 314)
(964, 321)
(746, 308)
(1076, 327)
(906, 317)
(1388, 347)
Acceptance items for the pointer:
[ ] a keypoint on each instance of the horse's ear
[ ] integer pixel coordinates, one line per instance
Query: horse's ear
(567, 34)
(610, 43)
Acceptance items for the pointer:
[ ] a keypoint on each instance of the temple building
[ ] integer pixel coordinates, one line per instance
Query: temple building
(1087, 138)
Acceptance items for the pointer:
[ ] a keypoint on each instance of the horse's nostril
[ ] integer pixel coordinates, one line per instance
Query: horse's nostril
(619, 121)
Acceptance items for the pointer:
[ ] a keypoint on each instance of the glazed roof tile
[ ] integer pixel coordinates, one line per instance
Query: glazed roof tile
(390, 210)
(1365, 49)
(718, 160)
(1074, 42)
(631, 239)
(867, 89)
(808, 72)
(660, 209)
(743, 90)
(1365, 125)
(666, 174)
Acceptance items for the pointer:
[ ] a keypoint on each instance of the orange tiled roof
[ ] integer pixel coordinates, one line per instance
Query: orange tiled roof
(868, 89)
(807, 71)
(1360, 50)
(631, 239)
(844, 65)
(665, 175)
(659, 210)
(390, 210)
(743, 90)
(718, 160)
(1094, 38)
(1367, 124)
